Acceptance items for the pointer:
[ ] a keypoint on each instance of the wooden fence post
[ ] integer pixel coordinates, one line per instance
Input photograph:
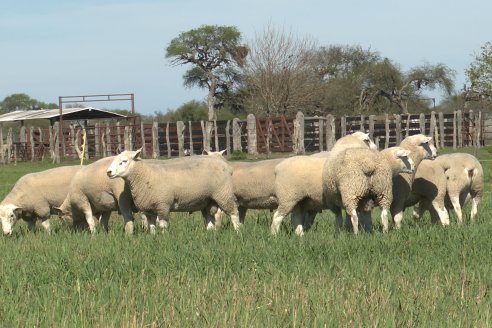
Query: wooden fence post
(252, 141)
(441, 128)
(118, 135)
(422, 123)
(321, 132)
(398, 128)
(155, 140)
(433, 129)
(41, 145)
(459, 123)
(142, 137)
(478, 128)
(298, 142)
(108, 140)
(206, 135)
(407, 127)
(228, 137)
(343, 123)
(168, 144)
(471, 129)
(371, 127)
(455, 126)
(362, 121)
(216, 136)
(97, 139)
(2, 148)
(180, 127)
(330, 132)
(386, 129)
(236, 135)
(190, 127)
(31, 141)
(10, 142)
(56, 158)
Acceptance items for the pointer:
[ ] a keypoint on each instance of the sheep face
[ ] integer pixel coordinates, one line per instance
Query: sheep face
(407, 165)
(122, 164)
(9, 214)
(429, 152)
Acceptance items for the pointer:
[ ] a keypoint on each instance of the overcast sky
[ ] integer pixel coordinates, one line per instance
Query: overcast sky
(54, 48)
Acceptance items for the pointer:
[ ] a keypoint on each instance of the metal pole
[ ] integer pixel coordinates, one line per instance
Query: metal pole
(60, 136)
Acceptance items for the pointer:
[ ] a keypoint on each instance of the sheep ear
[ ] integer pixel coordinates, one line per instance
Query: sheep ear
(222, 151)
(402, 153)
(137, 153)
(428, 139)
(17, 211)
(204, 152)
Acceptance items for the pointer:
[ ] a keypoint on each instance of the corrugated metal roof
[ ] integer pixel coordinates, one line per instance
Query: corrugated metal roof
(67, 113)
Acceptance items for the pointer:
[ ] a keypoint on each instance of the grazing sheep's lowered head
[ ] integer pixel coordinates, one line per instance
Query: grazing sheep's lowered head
(420, 140)
(123, 163)
(9, 214)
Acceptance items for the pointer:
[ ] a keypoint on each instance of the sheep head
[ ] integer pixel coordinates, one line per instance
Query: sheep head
(9, 214)
(364, 137)
(122, 163)
(421, 141)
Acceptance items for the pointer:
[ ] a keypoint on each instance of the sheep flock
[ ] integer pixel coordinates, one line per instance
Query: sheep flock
(353, 177)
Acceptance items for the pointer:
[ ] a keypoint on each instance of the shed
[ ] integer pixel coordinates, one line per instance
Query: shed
(68, 114)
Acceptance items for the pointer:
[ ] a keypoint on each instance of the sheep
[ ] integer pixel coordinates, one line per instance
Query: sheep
(34, 196)
(420, 148)
(191, 184)
(463, 177)
(298, 184)
(92, 193)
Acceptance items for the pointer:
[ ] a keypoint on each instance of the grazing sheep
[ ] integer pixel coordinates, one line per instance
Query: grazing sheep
(420, 148)
(298, 183)
(34, 196)
(463, 175)
(190, 184)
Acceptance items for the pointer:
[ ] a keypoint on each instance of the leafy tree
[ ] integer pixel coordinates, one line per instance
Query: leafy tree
(479, 73)
(216, 53)
(18, 101)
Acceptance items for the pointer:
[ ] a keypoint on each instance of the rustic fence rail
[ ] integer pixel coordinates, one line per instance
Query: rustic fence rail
(254, 135)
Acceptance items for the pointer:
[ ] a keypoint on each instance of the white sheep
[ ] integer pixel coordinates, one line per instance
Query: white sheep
(34, 196)
(91, 193)
(463, 175)
(420, 148)
(298, 184)
(191, 184)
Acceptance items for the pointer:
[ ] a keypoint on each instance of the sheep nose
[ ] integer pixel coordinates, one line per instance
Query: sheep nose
(109, 174)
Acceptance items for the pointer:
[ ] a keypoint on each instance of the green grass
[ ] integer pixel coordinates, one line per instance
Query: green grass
(421, 276)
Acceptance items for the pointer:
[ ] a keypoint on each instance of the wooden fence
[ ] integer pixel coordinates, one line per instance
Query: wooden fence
(255, 135)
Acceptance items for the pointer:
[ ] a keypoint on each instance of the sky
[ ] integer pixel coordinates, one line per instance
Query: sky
(55, 48)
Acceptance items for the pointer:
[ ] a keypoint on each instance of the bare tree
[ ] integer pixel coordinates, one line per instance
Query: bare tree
(278, 76)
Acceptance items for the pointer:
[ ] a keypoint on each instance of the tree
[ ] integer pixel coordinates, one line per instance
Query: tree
(18, 101)
(278, 78)
(385, 81)
(216, 53)
(479, 73)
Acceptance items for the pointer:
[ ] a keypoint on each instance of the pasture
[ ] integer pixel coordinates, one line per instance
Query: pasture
(421, 276)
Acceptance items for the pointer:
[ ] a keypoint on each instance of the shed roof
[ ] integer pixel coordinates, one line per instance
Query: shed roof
(86, 113)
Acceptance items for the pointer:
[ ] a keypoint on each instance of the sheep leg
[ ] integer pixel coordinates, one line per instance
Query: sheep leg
(276, 222)
(474, 208)
(308, 219)
(242, 213)
(209, 218)
(384, 219)
(355, 221)
(104, 220)
(297, 220)
(397, 218)
(46, 225)
(455, 200)
(229, 206)
(442, 213)
(31, 225)
(90, 221)
(418, 211)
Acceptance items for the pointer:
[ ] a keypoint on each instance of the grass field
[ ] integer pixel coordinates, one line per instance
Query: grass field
(421, 276)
